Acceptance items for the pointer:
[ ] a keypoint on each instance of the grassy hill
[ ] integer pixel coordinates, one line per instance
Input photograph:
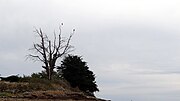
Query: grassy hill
(42, 90)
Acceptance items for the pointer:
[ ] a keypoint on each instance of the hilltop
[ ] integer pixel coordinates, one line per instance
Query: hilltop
(42, 90)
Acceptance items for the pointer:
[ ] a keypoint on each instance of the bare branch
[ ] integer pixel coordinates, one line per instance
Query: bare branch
(48, 51)
(67, 44)
(54, 46)
(38, 50)
(35, 57)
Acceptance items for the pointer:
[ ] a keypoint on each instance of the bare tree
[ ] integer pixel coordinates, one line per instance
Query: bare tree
(48, 51)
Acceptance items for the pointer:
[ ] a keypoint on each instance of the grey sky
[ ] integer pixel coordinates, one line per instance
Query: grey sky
(133, 46)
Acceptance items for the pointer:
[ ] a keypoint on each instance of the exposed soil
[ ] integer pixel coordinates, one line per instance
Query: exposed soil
(23, 99)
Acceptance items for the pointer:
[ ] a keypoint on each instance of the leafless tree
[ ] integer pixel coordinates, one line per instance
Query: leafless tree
(49, 51)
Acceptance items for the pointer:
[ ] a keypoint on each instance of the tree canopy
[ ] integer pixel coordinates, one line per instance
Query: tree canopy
(77, 73)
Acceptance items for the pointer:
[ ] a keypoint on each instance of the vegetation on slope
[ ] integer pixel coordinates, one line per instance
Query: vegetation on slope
(37, 87)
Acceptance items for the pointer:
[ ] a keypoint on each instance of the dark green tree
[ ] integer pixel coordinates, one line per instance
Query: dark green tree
(77, 73)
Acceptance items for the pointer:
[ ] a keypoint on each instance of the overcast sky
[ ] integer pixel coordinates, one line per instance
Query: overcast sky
(133, 46)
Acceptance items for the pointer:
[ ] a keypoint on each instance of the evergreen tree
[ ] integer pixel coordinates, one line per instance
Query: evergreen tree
(77, 73)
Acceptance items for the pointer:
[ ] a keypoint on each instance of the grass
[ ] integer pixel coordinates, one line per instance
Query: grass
(5, 94)
(36, 88)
